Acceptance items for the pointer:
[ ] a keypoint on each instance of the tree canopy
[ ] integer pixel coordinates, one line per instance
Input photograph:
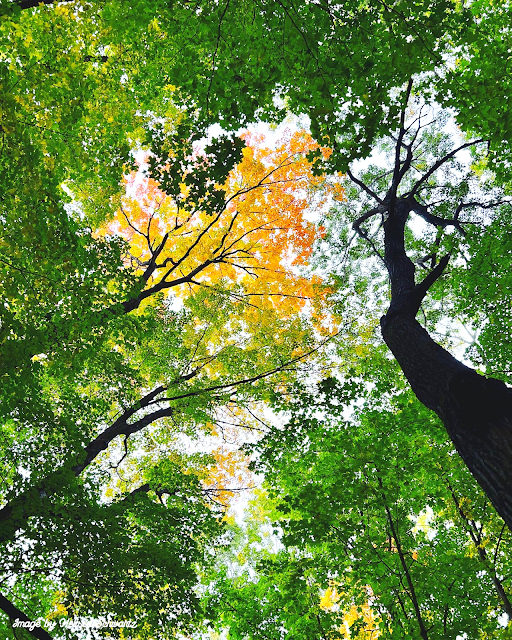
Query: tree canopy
(199, 303)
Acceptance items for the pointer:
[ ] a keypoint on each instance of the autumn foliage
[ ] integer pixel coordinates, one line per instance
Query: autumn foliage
(255, 244)
(252, 250)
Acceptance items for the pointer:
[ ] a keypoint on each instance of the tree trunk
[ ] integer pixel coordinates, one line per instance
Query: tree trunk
(476, 411)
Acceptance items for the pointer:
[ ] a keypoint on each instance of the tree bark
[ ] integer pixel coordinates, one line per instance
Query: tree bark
(476, 411)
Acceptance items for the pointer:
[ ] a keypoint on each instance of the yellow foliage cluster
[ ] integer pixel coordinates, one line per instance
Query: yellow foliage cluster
(370, 628)
(59, 610)
(258, 240)
(229, 476)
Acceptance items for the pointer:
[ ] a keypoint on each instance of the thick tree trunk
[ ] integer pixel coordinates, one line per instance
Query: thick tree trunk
(476, 411)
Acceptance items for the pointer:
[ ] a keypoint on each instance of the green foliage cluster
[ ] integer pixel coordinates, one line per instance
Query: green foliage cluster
(370, 505)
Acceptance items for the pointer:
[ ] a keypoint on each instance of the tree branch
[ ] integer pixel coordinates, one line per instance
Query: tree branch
(122, 427)
(363, 186)
(15, 614)
(422, 288)
(422, 211)
(133, 303)
(476, 538)
(408, 577)
(32, 4)
(152, 263)
(366, 216)
(440, 162)
(399, 172)
(119, 428)
(34, 501)
(356, 226)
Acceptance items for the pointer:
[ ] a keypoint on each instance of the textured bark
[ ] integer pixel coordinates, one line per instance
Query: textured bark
(476, 411)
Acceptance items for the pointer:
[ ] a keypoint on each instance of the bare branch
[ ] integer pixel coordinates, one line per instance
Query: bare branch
(133, 227)
(152, 263)
(227, 489)
(363, 186)
(364, 234)
(440, 162)
(478, 205)
(101, 442)
(398, 172)
(421, 289)
(422, 210)
(366, 216)
(133, 303)
(406, 163)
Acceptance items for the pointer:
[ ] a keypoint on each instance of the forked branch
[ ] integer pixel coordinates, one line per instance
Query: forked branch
(437, 165)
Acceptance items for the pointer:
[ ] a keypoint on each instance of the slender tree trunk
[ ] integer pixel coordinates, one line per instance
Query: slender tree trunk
(475, 534)
(476, 411)
(412, 591)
